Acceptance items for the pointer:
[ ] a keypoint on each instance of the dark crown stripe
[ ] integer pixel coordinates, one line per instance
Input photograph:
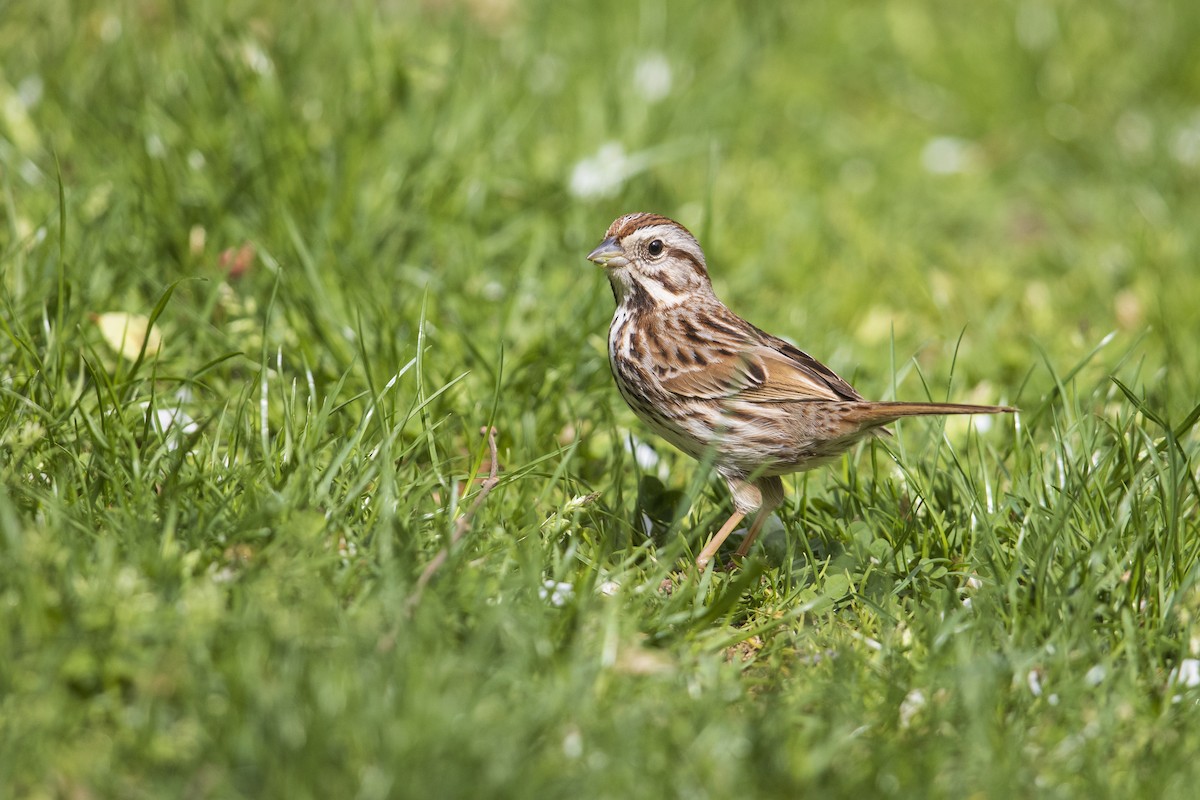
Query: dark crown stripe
(633, 222)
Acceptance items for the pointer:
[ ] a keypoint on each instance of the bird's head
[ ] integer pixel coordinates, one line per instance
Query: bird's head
(652, 260)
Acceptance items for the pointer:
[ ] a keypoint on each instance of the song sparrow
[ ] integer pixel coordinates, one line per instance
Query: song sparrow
(714, 385)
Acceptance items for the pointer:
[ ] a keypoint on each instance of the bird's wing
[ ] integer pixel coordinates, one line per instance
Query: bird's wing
(734, 359)
(796, 360)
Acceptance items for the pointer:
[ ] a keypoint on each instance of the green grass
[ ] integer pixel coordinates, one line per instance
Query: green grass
(981, 202)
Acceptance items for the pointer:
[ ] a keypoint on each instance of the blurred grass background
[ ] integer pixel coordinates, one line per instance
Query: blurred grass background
(360, 230)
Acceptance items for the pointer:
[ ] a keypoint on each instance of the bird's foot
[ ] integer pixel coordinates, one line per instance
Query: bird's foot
(728, 563)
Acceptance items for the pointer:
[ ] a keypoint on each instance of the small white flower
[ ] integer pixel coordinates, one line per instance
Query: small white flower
(560, 521)
(913, 702)
(155, 147)
(31, 175)
(608, 588)
(1034, 679)
(572, 743)
(256, 58)
(225, 574)
(29, 90)
(948, 155)
(645, 455)
(1095, 675)
(173, 421)
(603, 174)
(1187, 674)
(577, 502)
(558, 594)
(652, 77)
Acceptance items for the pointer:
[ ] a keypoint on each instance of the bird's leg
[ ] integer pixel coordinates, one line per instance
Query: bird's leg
(747, 497)
(755, 527)
(772, 497)
(714, 544)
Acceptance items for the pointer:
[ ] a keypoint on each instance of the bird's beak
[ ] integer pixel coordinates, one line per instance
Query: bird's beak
(608, 254)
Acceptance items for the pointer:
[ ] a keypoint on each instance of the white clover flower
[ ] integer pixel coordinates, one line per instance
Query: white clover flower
(173, 422)
(644, 454)
(29, 90)
(256, 58)
(572, 743)
(652, 77)
(1187, 674)
(913, 702)
(558, 594)
(948, 155)
(601, 175)
(155, 147)
(1034, 680)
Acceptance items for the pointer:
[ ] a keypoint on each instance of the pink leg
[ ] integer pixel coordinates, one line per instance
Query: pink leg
(771, 490)
(755, 527)
(714, 544)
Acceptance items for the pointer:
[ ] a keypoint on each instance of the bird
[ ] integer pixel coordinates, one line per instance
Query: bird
(717, 387)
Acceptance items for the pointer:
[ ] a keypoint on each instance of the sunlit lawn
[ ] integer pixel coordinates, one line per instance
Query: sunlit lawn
(254, 553)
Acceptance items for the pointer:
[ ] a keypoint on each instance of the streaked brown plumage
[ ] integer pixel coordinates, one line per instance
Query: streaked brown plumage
(711, 383)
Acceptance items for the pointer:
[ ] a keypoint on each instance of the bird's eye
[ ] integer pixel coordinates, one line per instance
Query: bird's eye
(655, 248)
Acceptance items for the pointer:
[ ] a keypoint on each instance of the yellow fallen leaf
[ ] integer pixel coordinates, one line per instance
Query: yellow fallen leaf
(125, 333)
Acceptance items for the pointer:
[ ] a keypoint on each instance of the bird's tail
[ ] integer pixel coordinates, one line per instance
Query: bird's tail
(873, 414)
